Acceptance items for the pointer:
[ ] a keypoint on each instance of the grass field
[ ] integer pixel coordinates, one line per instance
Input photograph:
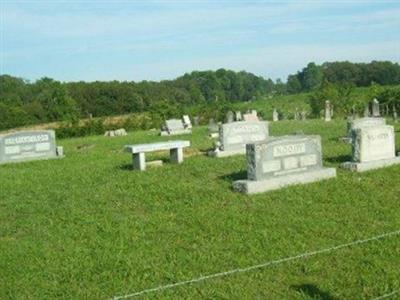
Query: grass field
(88, 227)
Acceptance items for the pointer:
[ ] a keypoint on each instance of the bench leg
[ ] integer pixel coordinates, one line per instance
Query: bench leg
(139, 161)
(176, 155)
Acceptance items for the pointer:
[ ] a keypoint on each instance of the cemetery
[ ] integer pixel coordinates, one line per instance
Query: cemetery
(285, 182)
(199, 150)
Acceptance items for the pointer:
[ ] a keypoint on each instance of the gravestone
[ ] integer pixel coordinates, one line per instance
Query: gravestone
(394, 114)
(250, 117)
(275, 115)
(174, 127)
(328, 111)
(303, 115)
(296, 115)
(186, 122)
(372, 147)
(213, 129)
(233, 137)
(29, 145)
(281, 161)
(196, 120)
(229, 117)
(366, 111)
(375, 108)
(238, 116)
(117, 132)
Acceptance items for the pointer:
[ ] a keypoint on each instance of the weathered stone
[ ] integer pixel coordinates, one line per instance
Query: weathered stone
(282, 161)
(238, 116)
(230, 117)
(328, 111)
(175, 127)
(233, 137)
(29, 145)
(117, 132)
(250, 117)
(187, 124)
(275, 115)
(366, 111)
(375, 108)
(372, 147)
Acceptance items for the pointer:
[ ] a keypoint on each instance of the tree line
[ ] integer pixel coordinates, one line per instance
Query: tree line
(203, 92)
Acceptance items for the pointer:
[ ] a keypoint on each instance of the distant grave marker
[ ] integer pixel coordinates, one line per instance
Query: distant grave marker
(29, 145)
(230, 117)
(186, 122)
(281, 161)
(372, 147)
(275, 115)
(375, 108)
(233, 137)
(174, 127)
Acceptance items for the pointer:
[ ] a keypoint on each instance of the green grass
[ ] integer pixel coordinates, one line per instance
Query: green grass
(88, 227)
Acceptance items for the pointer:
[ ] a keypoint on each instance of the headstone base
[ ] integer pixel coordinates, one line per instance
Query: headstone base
(177, 132)
(33, 158)
(254, 187)
(225, 153)
(366, 166)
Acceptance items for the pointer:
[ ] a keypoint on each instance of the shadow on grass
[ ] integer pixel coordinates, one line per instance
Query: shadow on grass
(313, 292)
(234, 176)
(339, 159)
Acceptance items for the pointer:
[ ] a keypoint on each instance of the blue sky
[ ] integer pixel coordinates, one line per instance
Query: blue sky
(154, 40)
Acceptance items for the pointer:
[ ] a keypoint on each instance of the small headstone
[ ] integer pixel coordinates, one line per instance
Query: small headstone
(303, 115)
(117, 132)
(366, 111)
(296, 115)
(213, 129)
(372, 147)
(253, 112)
(281, 161)
(375, 108)
(394, 114)
(238, 116)
(29, 145)
(174, 127)
(233, 137)
(230, 117)
(250, 117)
(275, 115)
(328, 111)
(187, 124)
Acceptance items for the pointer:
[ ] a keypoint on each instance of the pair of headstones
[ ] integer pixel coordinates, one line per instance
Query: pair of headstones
(29, 145)
(117, 132)
(375, 109)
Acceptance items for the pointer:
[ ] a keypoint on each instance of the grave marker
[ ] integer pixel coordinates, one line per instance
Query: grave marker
(29, 145)
(372, 147)
(282, 161)
(233, 137)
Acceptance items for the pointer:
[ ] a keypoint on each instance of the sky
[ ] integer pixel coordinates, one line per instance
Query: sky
(156, 40)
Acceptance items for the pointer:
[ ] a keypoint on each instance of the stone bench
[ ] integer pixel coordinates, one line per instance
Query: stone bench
(138, 152)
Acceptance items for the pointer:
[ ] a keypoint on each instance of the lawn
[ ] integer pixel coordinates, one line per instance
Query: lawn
(88, 227)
